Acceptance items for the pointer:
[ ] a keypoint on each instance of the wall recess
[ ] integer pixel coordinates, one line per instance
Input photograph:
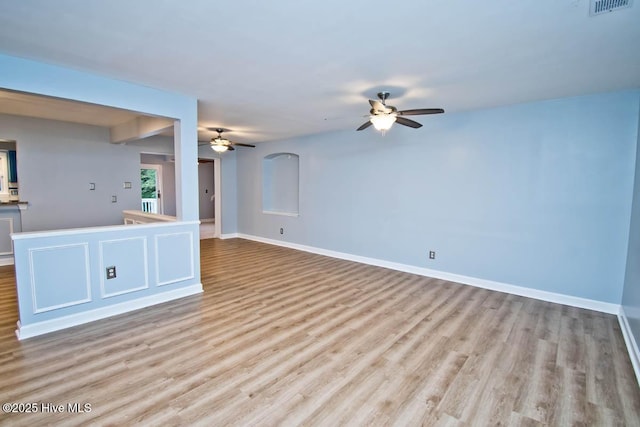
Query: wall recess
(280, 184)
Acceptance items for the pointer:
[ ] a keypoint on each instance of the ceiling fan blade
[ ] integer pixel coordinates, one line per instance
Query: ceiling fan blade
(230, 148)
(420, 111)
(365, 125)
(243, 145)
(408, 122)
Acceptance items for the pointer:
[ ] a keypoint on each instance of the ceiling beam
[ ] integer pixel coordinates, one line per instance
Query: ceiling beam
(138, 128)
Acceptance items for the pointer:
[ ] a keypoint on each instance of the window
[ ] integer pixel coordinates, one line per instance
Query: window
(280, 184)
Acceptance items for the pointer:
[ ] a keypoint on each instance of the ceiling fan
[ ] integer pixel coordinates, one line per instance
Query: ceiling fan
(383, 116)
(220, 144)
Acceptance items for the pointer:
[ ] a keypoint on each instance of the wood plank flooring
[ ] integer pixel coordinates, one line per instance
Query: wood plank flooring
(282, 337)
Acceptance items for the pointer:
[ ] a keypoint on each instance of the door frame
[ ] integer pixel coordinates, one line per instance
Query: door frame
(217, 205)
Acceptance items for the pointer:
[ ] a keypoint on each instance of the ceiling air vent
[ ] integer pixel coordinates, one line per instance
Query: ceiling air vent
(599, 7)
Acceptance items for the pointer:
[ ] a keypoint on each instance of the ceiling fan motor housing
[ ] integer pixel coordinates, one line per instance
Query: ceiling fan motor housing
(383, 116)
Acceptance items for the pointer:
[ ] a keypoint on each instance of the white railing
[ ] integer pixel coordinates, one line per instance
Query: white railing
(150, 205)
(139, 217)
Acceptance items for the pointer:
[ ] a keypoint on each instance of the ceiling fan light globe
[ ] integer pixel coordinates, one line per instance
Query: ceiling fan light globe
(219, 141)
(383, 122)
(219, 148)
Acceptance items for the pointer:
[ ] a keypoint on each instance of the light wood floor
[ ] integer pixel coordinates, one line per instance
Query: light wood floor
(282, 337)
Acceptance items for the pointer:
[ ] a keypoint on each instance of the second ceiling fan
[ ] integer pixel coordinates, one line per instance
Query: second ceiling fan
(383, 116)
(220, 144)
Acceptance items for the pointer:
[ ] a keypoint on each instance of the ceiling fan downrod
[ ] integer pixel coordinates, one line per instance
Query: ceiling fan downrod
(383, 96)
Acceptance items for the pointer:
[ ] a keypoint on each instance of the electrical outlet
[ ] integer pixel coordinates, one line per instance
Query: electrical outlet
(111, 272)
(432, 254)
(281, 230)
(114, 199)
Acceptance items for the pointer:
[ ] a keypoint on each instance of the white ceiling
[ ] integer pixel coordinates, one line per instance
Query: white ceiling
(271, 70)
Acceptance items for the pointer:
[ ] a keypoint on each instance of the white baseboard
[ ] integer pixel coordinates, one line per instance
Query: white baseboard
(46, 326)
(630, 341)
(6, 261)
(573, 301)
(230, 236)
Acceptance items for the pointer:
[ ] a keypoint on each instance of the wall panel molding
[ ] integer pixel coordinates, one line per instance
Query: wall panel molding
(180, 269)
(55, 271)
(144, 266)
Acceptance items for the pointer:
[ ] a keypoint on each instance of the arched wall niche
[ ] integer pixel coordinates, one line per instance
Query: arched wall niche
(281, 183)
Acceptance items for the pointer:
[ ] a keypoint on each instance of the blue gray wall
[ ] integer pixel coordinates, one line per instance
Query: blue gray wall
(631, 296)
(34, 77)
(56, 163)
(229, 183)
(535, 195)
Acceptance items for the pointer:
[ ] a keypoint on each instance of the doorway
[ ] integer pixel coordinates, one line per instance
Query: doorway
(209, 198)
(151, 186)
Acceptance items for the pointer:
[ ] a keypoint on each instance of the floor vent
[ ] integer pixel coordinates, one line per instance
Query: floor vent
(599, 7)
